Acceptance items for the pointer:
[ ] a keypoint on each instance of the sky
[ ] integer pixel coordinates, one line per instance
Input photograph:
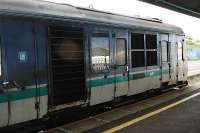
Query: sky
(190, 25)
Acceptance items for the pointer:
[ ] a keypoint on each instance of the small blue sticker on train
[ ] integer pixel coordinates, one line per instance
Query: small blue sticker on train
(22, 56)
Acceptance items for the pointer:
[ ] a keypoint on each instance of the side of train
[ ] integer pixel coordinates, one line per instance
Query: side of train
(55, 57)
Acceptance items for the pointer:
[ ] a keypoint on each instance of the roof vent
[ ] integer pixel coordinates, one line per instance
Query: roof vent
(157, 19)
(154, 19)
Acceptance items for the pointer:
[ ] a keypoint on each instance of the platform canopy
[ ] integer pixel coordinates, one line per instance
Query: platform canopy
(189, 7)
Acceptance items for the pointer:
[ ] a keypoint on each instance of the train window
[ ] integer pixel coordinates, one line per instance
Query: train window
(151, 50)
(100, 52)
(180, 51)
(120, 51)
(184, 50)
(138, 59)
(151, 41)
(151, 58)
(137, 50)
(165, 51)
(138, 41)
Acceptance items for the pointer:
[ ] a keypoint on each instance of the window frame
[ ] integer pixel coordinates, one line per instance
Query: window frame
(101, 31)
(126, 62)
(137, 50)
(168, 51)
(184, 49)
(135, 69)
(155, 50)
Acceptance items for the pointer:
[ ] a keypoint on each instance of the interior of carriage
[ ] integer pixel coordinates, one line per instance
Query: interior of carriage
(67, 64)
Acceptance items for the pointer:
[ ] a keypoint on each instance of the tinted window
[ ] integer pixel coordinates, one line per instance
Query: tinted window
(151, 58)
(137, 41)
(137, 50)
(151, 41)
(151, 50)
(138, 58)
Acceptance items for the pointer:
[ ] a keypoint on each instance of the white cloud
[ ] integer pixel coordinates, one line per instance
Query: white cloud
(189, 24)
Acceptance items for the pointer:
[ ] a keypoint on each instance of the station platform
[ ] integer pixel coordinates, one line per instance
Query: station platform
(176, 111)
(184, 118)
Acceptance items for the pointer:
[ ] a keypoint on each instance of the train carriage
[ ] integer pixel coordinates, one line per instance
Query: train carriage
(55, 57)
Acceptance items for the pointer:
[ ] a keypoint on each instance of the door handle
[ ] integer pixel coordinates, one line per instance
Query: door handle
(127, 68)
(169, 64)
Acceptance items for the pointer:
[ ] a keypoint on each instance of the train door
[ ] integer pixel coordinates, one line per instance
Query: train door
(180, 62)
(21, 88)
(102, 78)
(67, 79)
(121, 65)
(165, 58)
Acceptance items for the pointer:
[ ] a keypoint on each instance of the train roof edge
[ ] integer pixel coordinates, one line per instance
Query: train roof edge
(45, 9)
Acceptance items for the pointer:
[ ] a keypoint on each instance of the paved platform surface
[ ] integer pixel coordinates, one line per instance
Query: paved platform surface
(181, 118)
(177, 119)
(193, 67)
(184, 118)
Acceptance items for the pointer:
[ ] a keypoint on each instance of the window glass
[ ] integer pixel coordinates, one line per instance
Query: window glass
(180, 51)
(141, 47)
(151, 58)
(100, 52)
(151, 41)
(184, 51)
(164, 51)
(138, 59)
(151, 50)
(137, 50)
(120, 51)
(137, 41)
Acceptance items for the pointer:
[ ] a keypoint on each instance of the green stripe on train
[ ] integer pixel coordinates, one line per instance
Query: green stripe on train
(22, 94)
(119, 79)
(29, 93)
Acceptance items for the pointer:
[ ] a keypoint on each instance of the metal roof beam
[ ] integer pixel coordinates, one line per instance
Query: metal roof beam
(179, 6)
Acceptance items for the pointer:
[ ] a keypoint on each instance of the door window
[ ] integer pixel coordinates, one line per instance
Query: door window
(180, 51)
(100, 52)
(120, 51)
(165, 51)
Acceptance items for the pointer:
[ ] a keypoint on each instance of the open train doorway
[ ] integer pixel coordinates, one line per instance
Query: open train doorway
(67, 76)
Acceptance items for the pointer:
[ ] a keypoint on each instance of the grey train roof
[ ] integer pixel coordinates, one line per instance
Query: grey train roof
(43, 9)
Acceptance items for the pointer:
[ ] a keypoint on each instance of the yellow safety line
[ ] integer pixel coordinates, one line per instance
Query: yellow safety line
(131, 122)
